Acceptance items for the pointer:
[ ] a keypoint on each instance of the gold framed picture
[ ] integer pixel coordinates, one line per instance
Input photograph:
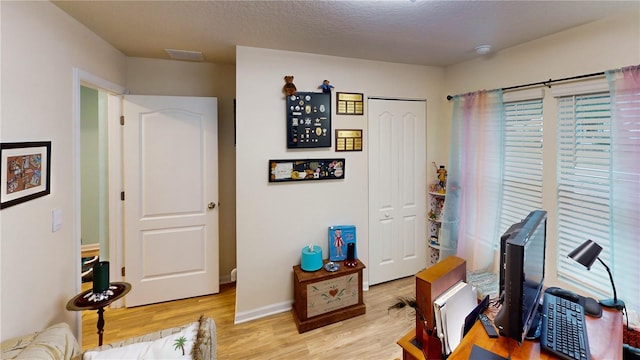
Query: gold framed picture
(348, 139)
(349, 103)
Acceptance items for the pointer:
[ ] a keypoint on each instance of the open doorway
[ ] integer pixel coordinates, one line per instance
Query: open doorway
(97, 141)
(94, 207)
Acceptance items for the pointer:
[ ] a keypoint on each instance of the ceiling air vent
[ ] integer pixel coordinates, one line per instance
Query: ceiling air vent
(185, 55)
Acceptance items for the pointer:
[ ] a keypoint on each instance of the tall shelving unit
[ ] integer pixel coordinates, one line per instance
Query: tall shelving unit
(436, 204)
(437, 193)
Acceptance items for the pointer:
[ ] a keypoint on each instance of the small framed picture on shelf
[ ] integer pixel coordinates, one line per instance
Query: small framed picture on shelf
(339, 237)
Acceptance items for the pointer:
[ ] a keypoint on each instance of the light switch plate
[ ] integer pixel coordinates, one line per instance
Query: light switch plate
(56, 220)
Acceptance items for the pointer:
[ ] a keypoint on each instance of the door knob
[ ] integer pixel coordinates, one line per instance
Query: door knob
(211, 205)
(386, 215)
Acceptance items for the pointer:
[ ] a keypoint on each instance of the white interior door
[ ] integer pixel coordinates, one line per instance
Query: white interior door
(397, 188)
(171, 196)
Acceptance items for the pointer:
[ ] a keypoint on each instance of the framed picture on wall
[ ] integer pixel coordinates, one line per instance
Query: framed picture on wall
(308, 120)
(348, 139)
(349, 103)
(307, 169)
(26, 172)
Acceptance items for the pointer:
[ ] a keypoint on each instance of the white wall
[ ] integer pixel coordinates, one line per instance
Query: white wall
(608, 44)
(41, 45)
(182, 78)
(275, 220)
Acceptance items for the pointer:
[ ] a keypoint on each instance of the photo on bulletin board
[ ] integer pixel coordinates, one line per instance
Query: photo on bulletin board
(339, 237)
(309, 169)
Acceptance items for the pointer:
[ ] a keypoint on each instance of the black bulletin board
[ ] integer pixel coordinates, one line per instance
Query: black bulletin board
(308, 120)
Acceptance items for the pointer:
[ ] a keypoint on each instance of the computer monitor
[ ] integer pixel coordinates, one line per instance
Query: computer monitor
(522, 274)
(503, 253)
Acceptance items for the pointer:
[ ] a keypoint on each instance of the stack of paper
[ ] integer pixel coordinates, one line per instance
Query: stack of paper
(450, 309)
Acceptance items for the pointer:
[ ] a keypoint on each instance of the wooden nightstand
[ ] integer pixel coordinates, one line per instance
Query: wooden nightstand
(322, 297)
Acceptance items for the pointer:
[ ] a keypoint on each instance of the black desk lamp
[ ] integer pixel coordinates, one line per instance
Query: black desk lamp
(586, 254)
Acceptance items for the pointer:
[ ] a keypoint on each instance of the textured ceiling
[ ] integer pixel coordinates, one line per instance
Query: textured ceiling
(437, 33)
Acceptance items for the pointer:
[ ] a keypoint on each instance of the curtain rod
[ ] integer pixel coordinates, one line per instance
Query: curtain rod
(546, 83)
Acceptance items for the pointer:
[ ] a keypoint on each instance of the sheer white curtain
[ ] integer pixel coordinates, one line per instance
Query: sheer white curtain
(624, 85)
(474, 179)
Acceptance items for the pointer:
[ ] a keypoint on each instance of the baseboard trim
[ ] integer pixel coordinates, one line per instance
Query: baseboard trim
(226, 279)
(272, 309)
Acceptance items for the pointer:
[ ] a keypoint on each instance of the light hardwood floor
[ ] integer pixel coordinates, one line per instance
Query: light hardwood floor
(371, 336)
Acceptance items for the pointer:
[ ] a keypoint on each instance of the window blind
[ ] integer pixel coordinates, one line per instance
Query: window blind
(522, 172)
(584, 146)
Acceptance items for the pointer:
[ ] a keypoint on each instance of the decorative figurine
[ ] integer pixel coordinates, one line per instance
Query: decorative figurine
(289, 88)
(442, 178)
(326, 87)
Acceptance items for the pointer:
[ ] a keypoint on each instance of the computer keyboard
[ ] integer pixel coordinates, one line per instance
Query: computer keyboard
(564, 330)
